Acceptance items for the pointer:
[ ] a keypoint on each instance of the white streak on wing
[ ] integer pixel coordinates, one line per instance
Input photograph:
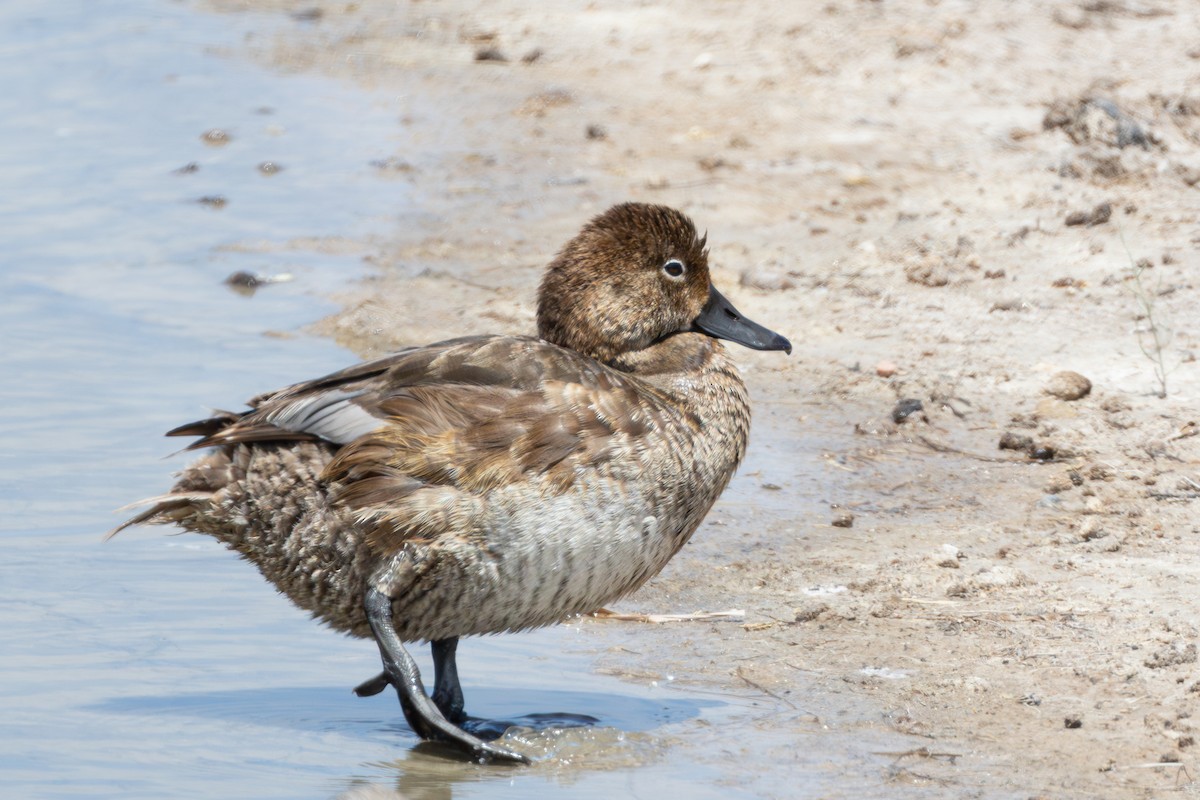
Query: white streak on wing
(332, 416)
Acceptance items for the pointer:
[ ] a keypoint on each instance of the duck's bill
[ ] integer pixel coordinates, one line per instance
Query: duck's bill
(721, 320)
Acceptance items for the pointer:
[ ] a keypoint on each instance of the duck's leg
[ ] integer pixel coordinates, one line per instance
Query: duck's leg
(447, 691)
(423, 716)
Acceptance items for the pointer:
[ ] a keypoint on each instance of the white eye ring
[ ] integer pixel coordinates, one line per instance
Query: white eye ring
(675, 269)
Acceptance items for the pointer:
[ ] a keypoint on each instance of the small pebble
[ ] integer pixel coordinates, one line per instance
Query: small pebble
(1059, 484)
(1015, 441)
(885, 369)
(269, 168)
(245, 283)
(810, 613)
(905, 409)
(1097, 216)
(1009, 304)
(215, 138)
(596, 132)
(855, 176)
(490, 54)
(1091, 528)
(843, 519)
(1042, 452)
(245, 280)
(1097, 119)
(714, 163)
(1068, 385)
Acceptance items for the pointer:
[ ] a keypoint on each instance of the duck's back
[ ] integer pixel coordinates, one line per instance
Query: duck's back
(485, 484)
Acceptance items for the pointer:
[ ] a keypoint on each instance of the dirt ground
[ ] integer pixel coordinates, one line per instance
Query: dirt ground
(948, 202)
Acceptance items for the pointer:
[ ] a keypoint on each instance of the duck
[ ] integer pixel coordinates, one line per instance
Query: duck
(491, 483)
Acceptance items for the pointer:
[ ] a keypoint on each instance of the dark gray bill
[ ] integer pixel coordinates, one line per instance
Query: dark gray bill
(720, 319)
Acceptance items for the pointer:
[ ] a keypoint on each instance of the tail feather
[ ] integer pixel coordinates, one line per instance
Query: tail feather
(167, 508)
(224, 429)
(206, 427)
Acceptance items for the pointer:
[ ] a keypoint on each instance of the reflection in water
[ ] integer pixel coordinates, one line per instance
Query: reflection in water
(630, 735)
(564, 758)
(373, 791)
(572, 757)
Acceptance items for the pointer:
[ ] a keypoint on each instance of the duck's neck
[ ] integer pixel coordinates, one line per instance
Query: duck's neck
(696, 373)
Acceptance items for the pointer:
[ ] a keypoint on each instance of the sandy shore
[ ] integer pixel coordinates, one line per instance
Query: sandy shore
(948, 202)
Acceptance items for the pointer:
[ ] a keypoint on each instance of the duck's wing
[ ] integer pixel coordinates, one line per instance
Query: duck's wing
(427, 432)
(336, 407)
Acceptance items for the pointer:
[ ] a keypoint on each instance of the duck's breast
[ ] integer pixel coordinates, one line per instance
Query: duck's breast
(570, 539)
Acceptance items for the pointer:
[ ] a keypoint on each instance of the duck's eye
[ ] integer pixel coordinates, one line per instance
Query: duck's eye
(674, 269)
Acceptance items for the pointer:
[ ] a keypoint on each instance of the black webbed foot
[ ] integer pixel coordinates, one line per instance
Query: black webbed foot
(489, 729)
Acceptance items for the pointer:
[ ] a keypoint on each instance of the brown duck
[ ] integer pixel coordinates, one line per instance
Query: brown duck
(491, 483)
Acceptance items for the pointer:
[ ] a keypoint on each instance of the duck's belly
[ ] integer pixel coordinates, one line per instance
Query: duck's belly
(529, 557)
(539, 560)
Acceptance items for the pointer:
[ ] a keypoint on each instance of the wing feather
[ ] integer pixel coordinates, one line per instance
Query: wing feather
(425, 433)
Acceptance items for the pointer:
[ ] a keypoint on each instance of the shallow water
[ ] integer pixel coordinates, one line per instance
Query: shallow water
(156, 665)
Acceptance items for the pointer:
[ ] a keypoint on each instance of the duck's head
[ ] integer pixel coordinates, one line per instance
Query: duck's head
(634, 275)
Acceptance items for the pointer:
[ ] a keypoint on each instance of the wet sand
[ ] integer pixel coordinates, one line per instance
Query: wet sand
(914, 193)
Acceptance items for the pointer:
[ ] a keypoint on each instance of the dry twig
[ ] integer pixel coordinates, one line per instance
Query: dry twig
(700, 616)
(920, 752)
(945, 448)
(763, 689)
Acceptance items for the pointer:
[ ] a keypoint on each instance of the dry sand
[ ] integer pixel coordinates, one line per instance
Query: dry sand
(949, 202)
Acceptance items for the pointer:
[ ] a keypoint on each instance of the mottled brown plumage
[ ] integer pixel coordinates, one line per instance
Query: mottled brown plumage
(494, 483)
